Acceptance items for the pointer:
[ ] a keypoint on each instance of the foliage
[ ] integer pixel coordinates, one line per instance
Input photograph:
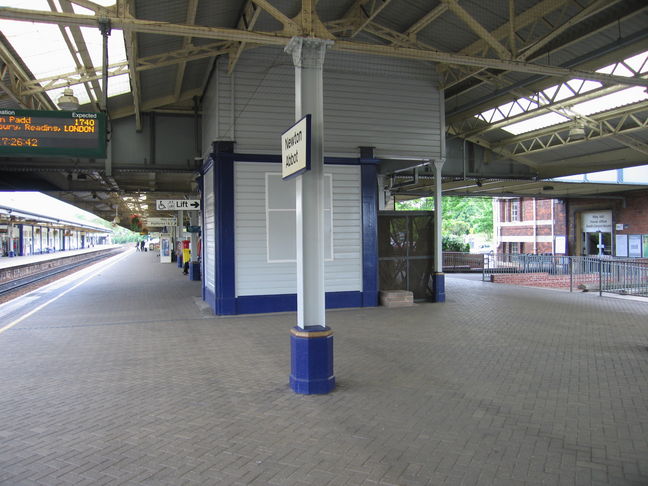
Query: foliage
(461, 215)
(454, 243)
(119, 233)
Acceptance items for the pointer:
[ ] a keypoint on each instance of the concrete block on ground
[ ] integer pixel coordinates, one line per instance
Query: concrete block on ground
(396, 298)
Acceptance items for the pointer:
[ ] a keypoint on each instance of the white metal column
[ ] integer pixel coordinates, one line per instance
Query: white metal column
(438, 217)
(308, 57)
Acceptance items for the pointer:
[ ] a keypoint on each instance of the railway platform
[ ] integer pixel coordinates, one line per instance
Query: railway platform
(128, 379)
(10, 262)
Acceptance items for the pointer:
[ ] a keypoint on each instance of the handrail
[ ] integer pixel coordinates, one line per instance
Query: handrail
(603, 274)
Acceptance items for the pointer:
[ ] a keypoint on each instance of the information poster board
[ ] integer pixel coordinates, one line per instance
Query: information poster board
(634, 245)
(621, 245)
(165, 248)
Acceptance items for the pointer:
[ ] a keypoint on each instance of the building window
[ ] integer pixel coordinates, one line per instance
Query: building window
(281, 222)
(514, 248)
(515, 210)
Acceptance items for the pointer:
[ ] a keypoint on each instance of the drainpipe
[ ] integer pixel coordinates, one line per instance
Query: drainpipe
(553, 232)
(535, 227)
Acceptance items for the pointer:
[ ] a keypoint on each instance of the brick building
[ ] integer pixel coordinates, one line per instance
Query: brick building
(614, 225)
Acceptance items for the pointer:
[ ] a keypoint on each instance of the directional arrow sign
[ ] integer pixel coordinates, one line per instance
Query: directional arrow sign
(161, 222)
(177, 204)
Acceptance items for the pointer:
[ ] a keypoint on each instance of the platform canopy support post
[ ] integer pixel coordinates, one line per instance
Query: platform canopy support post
(311, 341)
(439, 277)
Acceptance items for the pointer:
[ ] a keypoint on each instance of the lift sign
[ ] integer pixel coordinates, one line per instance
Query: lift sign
(296, 148)
(73, 133)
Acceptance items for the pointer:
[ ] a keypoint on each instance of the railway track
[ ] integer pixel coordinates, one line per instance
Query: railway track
(17, 286)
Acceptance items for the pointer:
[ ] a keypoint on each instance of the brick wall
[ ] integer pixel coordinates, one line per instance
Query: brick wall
(634, 214)
(542, 279)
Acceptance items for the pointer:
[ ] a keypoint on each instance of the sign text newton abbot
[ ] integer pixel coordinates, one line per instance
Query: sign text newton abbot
(296, 148)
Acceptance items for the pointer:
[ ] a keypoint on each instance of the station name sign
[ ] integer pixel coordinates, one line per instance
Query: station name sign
(33, 132)
(296, 148)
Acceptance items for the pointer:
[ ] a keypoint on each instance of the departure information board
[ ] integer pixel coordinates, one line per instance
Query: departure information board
(73, 133)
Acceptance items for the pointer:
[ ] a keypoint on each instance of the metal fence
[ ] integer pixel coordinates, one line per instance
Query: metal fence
(627, 277)
(454, 261)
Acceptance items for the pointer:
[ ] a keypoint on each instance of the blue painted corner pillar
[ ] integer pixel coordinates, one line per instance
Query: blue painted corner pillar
(369, 174)
(311, 360)
(312, 352)
(438, 283)
(194, 271)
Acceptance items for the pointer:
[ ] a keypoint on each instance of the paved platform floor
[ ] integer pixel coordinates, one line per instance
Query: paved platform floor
(128, 380)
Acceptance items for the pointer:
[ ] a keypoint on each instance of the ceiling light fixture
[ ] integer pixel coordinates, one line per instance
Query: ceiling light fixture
(68, 101)
(577, 132)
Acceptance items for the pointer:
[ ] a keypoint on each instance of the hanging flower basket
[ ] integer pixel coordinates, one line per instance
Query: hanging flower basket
(135, 222)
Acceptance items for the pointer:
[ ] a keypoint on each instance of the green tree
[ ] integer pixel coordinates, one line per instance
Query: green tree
(461, 215)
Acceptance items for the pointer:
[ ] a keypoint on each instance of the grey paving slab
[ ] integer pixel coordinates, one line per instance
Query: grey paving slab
(127, 380)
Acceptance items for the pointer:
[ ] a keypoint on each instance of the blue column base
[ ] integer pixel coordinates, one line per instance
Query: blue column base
(439, 287)
(311, 360)
(11, 254)
(194, 271)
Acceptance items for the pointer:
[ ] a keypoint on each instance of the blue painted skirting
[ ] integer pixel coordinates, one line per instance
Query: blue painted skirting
(260, 304)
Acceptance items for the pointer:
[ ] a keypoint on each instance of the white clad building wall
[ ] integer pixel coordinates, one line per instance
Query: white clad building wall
(261, 267)
(390, 104)
(209, 233)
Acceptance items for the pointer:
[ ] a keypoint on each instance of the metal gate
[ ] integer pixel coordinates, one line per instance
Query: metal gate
(406, 252)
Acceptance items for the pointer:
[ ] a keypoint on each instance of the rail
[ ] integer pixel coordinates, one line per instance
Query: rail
(606, 274)
(35, 272)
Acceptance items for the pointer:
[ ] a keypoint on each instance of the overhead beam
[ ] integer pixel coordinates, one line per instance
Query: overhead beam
(192, 7)
(18, 79)
(598, 6)
(478, 28)
(116, 69)
(289, 25)
(247, 21)
(151, 105)
(427, 19)
(281, 39)
(78, 50)
(604, 125)
(507, 65)
(364, 12)
(526, 18)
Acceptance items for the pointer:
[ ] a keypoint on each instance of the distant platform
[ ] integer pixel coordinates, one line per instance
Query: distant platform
(9, 262)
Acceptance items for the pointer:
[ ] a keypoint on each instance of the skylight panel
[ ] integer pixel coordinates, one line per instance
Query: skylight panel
(563, 93)
(550, 91)
(611, 101)
(638, 63)
(636, 175)
(621, 70)
(610, 176)
(583, 86)
(535, 123)
(44, 51)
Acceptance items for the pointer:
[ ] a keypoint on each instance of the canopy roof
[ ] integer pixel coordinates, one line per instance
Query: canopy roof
(555, 86)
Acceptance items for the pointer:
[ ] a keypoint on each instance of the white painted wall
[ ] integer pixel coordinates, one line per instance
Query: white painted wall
(209, 232)
(389, 104)
(254, 274)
